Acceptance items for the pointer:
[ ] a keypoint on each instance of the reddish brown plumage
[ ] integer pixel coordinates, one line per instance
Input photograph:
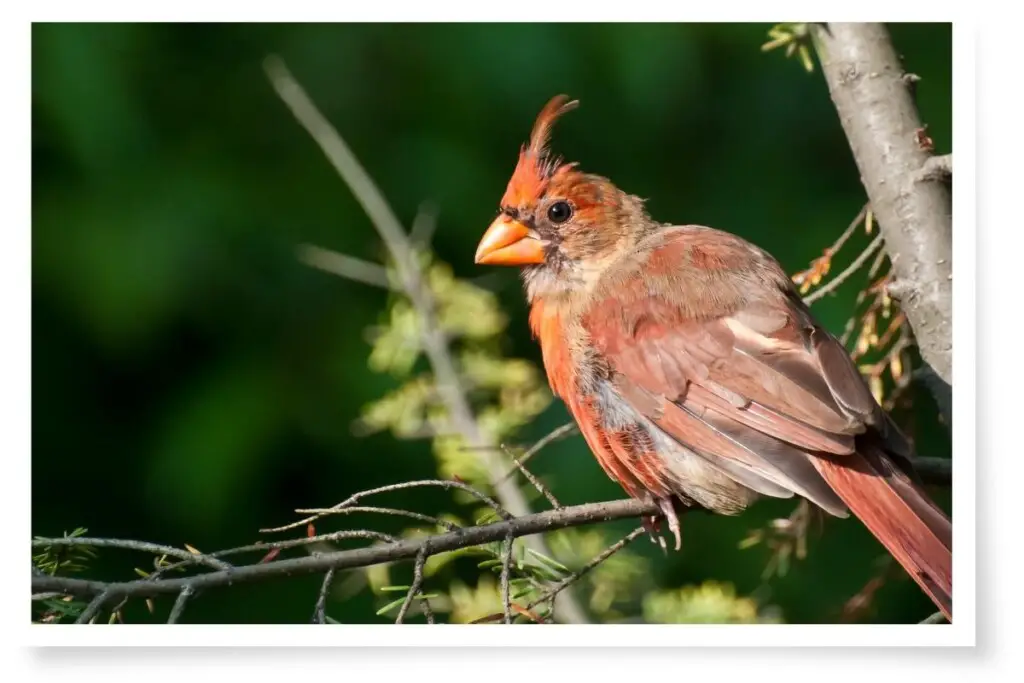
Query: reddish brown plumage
(694, 370)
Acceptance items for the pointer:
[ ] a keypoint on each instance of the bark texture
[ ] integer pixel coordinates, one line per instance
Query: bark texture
(874, 98)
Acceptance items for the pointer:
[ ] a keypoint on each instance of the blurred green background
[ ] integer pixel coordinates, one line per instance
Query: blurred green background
(193, 382)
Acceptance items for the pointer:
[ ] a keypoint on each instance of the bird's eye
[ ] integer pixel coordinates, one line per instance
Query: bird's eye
(559, 212)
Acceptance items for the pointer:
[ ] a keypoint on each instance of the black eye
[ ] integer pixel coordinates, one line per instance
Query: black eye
(559, 212)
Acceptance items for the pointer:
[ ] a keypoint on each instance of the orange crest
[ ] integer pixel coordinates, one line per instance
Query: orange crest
(536, 165)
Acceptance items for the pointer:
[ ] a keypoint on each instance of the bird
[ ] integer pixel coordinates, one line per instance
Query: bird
(694, 370)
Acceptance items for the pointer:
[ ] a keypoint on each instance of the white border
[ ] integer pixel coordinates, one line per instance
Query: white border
(962, 632)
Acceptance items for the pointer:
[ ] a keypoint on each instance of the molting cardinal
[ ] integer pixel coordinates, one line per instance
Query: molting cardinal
(694, 370)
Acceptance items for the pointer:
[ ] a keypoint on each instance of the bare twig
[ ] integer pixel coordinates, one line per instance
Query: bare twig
(428, 612)
(351, 500)
(319, 610)
(572, 578)
(345, 266)
(141, 546)
(936, 168)
(91, 610)
(879, 260)
(179, 603)
(536, 482)
(585, 569)
(554, 435)
(381, 511)
(506, 570)
(881, 122)
(45, 596)
(423, 225)
(847, 272)
(398, 244)
(417, 582)
(857, 220)
(310, 540)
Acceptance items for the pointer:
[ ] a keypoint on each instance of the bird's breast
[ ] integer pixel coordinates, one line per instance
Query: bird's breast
(547, 325)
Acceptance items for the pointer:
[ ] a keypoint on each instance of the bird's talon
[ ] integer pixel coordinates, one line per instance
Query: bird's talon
(669, 510)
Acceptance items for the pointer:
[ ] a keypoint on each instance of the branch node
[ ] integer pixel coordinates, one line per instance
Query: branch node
(187, 591)
(320, 609)
(935, 168)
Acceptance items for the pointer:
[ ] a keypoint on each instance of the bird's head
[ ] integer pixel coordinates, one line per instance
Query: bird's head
(562, 226)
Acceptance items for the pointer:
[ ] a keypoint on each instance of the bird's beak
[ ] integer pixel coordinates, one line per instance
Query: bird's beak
(509, 243)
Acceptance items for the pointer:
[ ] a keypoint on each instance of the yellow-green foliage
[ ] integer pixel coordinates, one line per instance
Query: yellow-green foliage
(796, 38)
(506, 393)
(709, 603)
(474, 602)
(621, 578)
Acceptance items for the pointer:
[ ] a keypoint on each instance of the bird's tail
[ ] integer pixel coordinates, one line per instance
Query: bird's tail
(895, 509)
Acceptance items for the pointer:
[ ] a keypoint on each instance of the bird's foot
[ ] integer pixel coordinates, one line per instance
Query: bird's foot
(652, 523)
(668, 507)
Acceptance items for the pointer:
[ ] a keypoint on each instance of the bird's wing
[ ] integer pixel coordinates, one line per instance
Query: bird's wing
(703, 337)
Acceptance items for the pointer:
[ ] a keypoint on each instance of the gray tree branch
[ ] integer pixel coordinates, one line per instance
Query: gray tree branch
(540, 522)
(874, 99)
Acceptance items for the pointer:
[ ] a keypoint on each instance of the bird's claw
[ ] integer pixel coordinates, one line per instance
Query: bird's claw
(652, 524)
(669, 509)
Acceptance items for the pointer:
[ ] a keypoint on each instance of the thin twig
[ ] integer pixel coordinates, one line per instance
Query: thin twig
(142, 546)
(858, 219)
(572, 578)
(428, 613)
(45, 596)
(423, 225)
(417, 582)
(179, 604)
(879, 260)
(381, 511)
(319, 610)
(402, 251)
(351, 500)
(95, 605)
(535, 481)
(552, 436)
(843, 276)
(582, 571)
(506, 570)
(345, 266)
(935, 168)
(310, 540)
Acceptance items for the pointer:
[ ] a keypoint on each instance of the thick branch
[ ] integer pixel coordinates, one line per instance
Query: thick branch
(878, 114)
(362, 557)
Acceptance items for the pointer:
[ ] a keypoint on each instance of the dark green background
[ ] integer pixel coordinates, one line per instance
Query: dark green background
(193, 382)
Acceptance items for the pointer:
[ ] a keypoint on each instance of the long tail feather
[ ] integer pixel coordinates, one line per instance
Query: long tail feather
(911, 527)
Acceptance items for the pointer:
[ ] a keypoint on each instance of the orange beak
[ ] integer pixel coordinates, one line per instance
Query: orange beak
(509, 243)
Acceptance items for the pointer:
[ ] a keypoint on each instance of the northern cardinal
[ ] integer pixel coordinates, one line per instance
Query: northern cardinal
(694, 369)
